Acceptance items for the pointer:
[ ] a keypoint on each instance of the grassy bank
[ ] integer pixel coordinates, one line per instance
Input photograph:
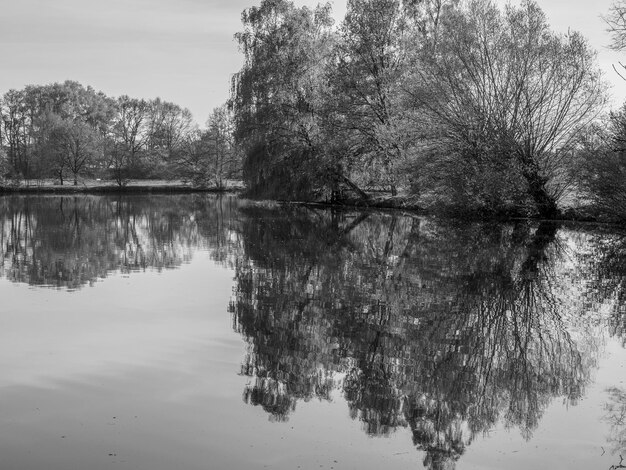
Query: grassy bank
(92, 186)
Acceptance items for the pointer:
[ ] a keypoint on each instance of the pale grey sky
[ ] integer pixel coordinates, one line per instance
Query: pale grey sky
(180, 50)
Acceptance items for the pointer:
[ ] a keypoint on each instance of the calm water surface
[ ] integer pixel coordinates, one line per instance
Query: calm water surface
(196, 332)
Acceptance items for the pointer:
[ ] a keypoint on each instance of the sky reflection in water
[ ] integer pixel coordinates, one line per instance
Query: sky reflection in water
(463, 345)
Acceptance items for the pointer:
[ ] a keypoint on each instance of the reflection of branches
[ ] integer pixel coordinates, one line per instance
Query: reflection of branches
(440, 328)
(512, 353)
(619, 465)
(615, 416)
(606, 270)
(71, 241)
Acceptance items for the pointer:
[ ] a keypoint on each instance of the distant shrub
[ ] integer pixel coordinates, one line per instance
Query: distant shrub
(470, 184)
(602, 166)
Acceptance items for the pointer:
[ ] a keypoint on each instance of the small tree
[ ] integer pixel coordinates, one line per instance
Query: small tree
(126, 141)
(224, 158)
(602, 168)
(76, 145)
(209, 157)
(192, 159)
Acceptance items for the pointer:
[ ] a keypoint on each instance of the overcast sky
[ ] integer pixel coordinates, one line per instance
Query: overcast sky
(180, 50)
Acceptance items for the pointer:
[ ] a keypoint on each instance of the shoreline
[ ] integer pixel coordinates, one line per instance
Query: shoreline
(109, 190)
(570, 215)
(106, 187)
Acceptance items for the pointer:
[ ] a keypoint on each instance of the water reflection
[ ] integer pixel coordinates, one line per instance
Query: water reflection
(423, 325)
(442, 330)
(67, 242)
(615, 416)
(605, 275)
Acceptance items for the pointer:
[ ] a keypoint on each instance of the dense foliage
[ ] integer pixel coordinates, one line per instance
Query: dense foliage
(459, 104)
(67, 130)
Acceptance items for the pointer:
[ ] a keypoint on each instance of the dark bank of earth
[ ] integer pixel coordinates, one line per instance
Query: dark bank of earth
(583, 214)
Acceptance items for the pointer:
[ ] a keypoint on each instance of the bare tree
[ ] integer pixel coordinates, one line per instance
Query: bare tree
(503, 86)
(79, 144)
(616, 22)
(209, 157)
(224, 158)
(167, 124)
(192, 159)
(127, 139)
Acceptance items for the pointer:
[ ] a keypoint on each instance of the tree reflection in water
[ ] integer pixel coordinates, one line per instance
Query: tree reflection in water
(442, 329)
(67, 242)
(606, 271)
(615, 416)
(605, 274)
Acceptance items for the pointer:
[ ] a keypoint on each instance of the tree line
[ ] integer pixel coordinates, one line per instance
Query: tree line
(69, 131)
(458, 105)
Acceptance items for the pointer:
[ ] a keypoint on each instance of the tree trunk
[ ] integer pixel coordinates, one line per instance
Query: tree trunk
(544, 202)
(334, 191)
(537, 249)
(353, 186)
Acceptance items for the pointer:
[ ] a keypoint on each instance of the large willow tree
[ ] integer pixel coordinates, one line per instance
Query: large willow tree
(277, 97)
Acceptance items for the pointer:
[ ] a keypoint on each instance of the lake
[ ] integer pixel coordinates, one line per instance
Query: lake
(206, 332)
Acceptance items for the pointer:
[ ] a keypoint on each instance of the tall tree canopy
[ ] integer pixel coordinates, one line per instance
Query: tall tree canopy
(369, 64)
(276, 98)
